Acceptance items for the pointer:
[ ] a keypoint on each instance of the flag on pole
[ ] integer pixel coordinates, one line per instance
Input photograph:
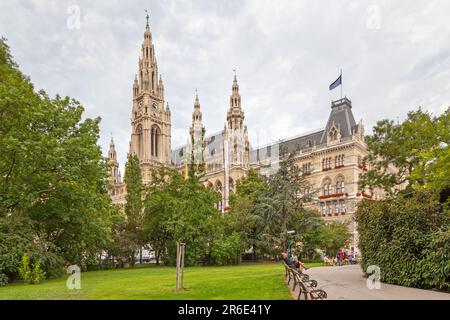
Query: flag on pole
(336, 83)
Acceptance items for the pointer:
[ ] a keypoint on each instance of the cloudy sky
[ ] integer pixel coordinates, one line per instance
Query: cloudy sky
(395, 56)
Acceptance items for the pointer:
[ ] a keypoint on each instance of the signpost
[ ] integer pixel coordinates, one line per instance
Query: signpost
(289, 239)
(180, 266)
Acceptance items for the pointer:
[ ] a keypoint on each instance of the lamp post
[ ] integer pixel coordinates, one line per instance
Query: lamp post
(289, 238)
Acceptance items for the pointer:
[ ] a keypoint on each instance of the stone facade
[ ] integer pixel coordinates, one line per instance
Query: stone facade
(331, 158)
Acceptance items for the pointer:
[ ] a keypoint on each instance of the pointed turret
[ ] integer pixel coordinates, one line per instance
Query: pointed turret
(148, 69)
(150, 120)
(197, 114)
(114, 175)
(112, 154)
(235, 115)
(197, 132)
(135, 86)
(235, 131)
(341, 122)
(161, 88)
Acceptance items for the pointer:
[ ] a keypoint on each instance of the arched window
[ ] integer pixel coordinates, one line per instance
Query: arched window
(219, 186)
(153, 81)
(231, 184)
(155, 137)
(340, 185)
(333, 134)
(139, 140)
(327, 187)
(324, 209)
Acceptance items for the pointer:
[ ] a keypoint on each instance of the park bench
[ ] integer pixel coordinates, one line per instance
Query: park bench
(306, 286)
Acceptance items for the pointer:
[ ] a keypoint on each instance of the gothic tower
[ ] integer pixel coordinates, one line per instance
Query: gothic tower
(236, 132)
(197, 135)
(150, 121)
(114, 173)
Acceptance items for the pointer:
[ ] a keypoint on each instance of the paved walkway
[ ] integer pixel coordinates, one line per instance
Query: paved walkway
(348, 283)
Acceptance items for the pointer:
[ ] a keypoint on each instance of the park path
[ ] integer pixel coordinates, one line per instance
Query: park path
(348, 283)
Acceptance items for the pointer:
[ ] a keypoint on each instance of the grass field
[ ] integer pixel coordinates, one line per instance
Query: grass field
(247, 281)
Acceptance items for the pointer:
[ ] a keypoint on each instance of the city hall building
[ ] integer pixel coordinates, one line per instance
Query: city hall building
(331, 158)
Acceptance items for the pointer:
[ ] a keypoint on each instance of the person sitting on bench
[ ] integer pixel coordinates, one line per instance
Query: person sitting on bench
(293, 264)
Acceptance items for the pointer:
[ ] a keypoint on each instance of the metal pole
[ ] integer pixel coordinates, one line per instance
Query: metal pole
(289, 245)
(226, 186)
(178, 264)
(183, 245)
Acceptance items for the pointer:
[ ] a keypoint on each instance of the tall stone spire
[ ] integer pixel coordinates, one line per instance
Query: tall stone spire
(197, 133)
(148, 67)
(197, 114)
(150, 120)
(114, 174)
(235, 132)
(235, 115)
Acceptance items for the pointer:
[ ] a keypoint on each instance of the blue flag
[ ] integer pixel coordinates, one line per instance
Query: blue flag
(337, 83)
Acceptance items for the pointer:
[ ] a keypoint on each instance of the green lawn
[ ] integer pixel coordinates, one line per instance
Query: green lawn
(247, 281)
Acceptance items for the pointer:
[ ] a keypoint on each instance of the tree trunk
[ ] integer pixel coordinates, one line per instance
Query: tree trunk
(132, 259)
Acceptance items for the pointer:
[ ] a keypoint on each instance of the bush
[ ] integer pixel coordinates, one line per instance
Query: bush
(37, 274)
(32, 274)
(226, 250)
(3, 279)
(16, 239)
(408, 238)
(25, 269)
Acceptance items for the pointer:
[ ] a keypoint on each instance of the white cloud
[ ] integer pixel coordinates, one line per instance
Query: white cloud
(286, 54)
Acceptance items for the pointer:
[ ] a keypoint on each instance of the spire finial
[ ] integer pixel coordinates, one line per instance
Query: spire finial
(147, 17)
(234, 70)
(197, 100)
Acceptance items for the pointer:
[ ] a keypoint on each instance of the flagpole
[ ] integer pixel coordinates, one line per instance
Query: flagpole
(342, 84)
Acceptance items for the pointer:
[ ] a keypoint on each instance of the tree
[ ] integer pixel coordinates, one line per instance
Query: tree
(158, 209)
(243, 217)
(308, 226)
(409, 154)
(181, 210)
(52, 172)
(332, 237)
(282, 199)
(435, 174)
(133, 207)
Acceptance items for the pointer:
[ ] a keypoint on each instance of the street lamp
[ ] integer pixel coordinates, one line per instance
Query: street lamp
(289, 238)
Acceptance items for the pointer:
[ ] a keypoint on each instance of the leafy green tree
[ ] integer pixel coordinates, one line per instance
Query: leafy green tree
(332, 237)
(243, 217)
(281, 200)
(435, 174)
(308, 226)
(159, 205)
(181, 210)
(52, 172)
(133, 207)
(414, 154)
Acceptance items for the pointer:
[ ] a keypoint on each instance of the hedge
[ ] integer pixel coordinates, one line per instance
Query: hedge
(408, 238)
